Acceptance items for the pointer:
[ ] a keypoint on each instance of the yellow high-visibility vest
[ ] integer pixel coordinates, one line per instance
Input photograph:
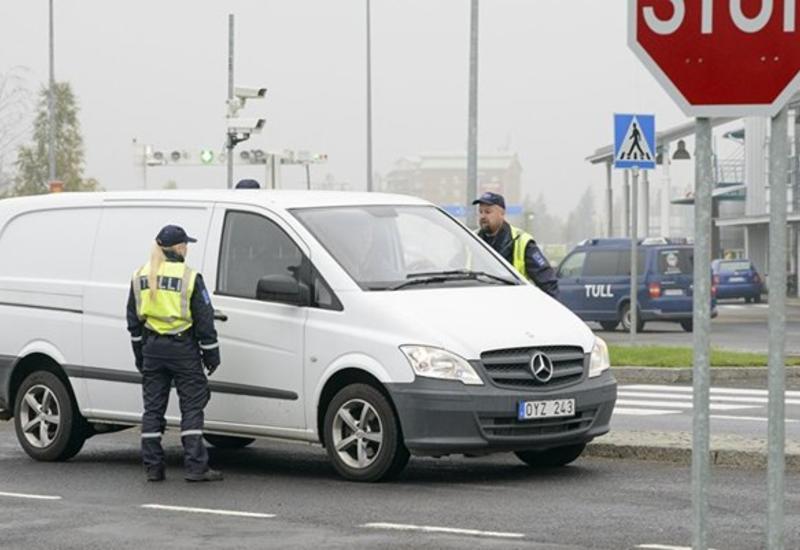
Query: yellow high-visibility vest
(170, 311)
(521, 240)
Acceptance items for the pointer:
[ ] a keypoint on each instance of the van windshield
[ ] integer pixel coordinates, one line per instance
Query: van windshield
(385, 247)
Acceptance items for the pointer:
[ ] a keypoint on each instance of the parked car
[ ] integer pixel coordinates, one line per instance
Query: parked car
(594, 282)
(737, 279)
(376, 325)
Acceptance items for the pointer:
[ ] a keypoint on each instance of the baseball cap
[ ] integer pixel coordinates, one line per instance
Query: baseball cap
(489, 198)
(170, 235)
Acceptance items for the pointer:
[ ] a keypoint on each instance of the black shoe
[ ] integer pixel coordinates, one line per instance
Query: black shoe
(155, 474)
(208, 475)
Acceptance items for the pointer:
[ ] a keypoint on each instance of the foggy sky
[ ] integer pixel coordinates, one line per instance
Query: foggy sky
(552, 73)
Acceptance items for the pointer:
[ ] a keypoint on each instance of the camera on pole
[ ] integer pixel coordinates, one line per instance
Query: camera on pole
(240, 128)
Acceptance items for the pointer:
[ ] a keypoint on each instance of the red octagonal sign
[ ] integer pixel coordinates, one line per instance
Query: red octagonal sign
(720, 57)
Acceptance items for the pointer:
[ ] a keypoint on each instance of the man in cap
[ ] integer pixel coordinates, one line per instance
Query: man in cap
(171, 322)
(515, 245)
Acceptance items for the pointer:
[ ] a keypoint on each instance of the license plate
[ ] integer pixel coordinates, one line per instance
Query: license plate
(545, 409)
(736, 279)
(673, 292)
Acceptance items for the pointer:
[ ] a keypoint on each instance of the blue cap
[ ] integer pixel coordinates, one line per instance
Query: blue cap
(248, 184)
(489, 198)
(170, 235)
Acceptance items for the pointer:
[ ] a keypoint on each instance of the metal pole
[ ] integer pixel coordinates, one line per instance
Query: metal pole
(51, 123)
(634, 305)
(626, 222)
(308, 176)
(229, 142)
(776, 434)
(665, 191)
(796, 198)
(701, 466)
(646, 203)
(609, 202)
(472, 124)
(369, 99)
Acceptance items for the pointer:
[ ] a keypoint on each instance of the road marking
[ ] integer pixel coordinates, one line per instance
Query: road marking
(759, 418)
(690, 389)
(641, 412)
(445, 530)
(207, 511)
(32, 497)
(681, 405)
(665, 547)
(681, 395)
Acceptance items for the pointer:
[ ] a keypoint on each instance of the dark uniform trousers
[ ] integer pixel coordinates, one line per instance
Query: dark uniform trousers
(158, 374)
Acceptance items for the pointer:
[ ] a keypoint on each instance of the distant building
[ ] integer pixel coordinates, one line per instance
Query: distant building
(441, 178)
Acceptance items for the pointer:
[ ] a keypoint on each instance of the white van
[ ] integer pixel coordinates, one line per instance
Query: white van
(374, 324)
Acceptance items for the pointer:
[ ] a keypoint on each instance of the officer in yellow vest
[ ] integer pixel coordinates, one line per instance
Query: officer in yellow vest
(171, 322)
(516, 246)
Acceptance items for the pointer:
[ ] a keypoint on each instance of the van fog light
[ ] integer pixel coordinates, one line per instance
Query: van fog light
(438, 363)
(600, 361)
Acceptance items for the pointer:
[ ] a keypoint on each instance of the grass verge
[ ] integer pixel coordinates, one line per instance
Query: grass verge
(667, 356)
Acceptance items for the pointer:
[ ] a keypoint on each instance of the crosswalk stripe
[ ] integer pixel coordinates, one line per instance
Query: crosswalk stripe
(680, 405)
(629, 411)
(758, 418)
(690, 389)
(726, 398)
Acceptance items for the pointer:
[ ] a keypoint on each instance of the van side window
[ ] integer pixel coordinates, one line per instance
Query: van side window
(572, 266)
(602, 263)
(254, 247)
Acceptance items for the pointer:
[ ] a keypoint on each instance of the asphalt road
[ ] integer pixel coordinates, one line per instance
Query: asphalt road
(738, 411)
(104, 503)
(738, 326)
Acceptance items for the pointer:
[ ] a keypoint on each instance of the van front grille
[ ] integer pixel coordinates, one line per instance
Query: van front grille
(510, 426)
(511, 368)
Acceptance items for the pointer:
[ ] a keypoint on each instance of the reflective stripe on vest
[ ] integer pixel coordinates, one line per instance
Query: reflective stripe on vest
(170, 311)
(521, 240)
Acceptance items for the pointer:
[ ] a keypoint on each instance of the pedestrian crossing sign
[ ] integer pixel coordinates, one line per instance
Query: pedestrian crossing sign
(635, 141)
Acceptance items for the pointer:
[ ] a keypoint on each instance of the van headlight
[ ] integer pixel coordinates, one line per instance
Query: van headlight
(438, 363)
(599, 362)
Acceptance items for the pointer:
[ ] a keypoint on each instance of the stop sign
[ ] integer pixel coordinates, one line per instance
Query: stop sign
(719, 57)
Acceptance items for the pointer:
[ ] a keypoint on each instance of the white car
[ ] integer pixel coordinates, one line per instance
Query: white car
(376, 325)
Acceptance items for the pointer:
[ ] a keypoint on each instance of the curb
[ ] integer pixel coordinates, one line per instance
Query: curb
(683, 375)
(726, 451)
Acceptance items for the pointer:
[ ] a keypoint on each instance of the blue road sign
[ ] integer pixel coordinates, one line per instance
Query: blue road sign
(635, 141)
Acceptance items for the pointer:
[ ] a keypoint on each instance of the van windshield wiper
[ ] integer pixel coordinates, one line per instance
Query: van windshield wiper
(431, 277)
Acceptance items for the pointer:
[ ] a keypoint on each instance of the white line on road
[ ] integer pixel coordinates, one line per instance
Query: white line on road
(759, 418)
(32, 497)
(207, 511)
(681, 395)
(680, 405)
(446, 530)
(665, 547)
(641, 412)
(690, 389)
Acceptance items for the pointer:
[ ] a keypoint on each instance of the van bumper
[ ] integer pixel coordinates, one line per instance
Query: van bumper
(676, 316)
(6, 366)
(439, 417)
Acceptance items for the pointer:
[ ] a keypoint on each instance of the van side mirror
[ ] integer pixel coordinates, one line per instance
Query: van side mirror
(283, 289)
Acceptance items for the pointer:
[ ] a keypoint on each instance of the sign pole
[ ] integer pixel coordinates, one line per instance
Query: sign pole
(634, 305)
(701, 466)
(776, 434)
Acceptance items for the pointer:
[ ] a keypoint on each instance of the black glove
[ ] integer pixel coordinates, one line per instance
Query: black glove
(211, 368)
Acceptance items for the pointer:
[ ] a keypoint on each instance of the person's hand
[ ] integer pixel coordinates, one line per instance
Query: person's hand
(211, 368)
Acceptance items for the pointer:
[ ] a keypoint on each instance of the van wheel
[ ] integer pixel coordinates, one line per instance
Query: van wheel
(362, 435)
(227, 441)
(48, 424)
(625, 318)
(748, 300)
(551, 458)
(609, 326)
(687, 325)
(757, 298)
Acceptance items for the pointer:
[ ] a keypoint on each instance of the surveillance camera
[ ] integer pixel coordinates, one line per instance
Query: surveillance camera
(245, 125)
(246, 92)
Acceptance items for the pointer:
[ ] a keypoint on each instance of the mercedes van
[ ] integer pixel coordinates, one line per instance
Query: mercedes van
(376, 325)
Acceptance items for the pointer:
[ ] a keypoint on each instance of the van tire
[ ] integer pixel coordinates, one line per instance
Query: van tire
(44, 395)
(551, 458)
(391, 455)
(624, 318)
(227, 441)
(757, 298)
(687, 325)
(609, 326)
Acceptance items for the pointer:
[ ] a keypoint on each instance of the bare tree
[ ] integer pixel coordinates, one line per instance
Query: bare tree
(16, 101)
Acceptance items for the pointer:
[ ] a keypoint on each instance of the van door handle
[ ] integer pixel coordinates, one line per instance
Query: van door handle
(219, 316)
